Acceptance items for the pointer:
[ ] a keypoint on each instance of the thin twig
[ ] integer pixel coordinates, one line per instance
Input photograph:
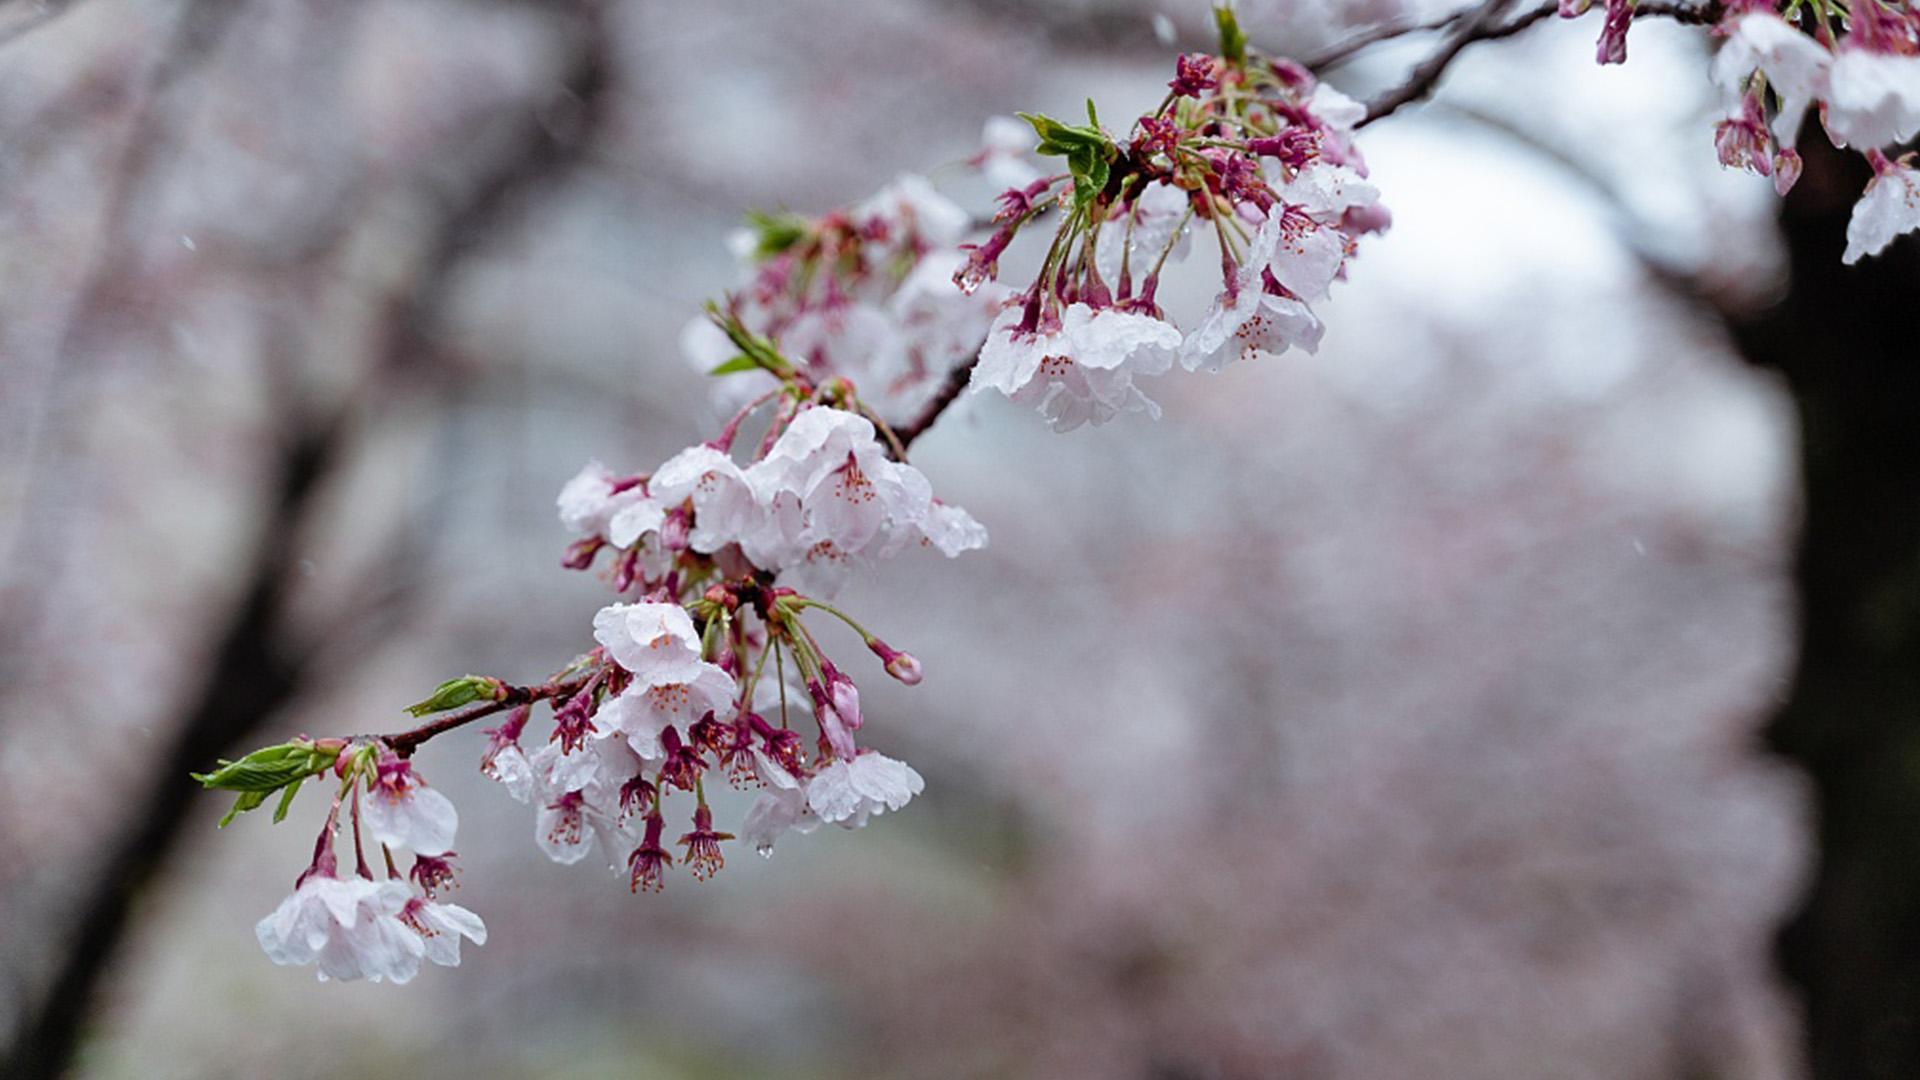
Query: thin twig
(1346, 50)
(406, 742)
(1421, 81)
(949, 391)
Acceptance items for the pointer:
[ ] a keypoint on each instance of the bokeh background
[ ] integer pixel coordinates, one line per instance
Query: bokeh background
(1396, 711)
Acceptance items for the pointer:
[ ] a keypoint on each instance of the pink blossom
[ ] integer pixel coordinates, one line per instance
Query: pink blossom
(349, 927)
(1889, 207)
(848, 792)
(402, 811)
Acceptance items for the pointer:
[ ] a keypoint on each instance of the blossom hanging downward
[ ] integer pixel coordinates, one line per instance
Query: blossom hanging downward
(359, 928)
(402, 811)
(1251, 149)
(350, 929)
(1873, 98)
(1080, 369)
(821, 498)
(1891, 206)
(847, 792)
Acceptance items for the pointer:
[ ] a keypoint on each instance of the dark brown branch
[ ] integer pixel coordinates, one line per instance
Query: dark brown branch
(1486, 26)
(1346, 50)
(1481, 24)
(406, 742)
(949, 392)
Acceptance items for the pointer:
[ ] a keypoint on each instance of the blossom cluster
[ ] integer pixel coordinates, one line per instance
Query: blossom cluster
(1252, 149)
(360, 927)
(823, 497)
(666, 702)
(864, 293)
(1857, 64)
(703, 671)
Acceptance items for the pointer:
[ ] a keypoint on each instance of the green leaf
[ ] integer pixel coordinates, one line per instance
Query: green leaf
(1058, 139)
(1089, 153)
(269, 768)
(245, 801)
(282, 767)
(775, 233)
(758, 351)
(1233, 40)
(454, 693)
(286, 799)
(743, 362)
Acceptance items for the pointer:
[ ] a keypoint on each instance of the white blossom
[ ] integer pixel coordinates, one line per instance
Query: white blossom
(402, 811)
(724, 506)
(946, 528)
(588, 502)
(1335, 109)
(782, 807)
(643, 710)
(578, 799)
(654, 641)
(846, 793)
(1247, 320)
(832, 496)
(441, 926)
(635, 520)
(909, 206)
(1307, 254)
(1325, 192)
(348, 927)
(508, 766)
(1081, 371)
(1874, 98)
(1890, 206)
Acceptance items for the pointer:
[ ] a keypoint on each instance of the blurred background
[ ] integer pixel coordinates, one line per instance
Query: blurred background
(1397, 711)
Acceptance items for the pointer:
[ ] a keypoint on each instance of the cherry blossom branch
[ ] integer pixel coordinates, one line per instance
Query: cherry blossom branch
(1485, 26)
(949, 393)
(1368, 38)
(404, 743)
(1420, 82)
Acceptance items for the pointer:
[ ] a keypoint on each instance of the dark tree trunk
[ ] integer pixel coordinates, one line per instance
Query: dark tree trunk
(1844, 340)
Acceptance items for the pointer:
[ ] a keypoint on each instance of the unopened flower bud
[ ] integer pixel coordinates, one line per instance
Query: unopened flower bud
(1786, 170)
(580, 553)
(905, 668)
(900, 665)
